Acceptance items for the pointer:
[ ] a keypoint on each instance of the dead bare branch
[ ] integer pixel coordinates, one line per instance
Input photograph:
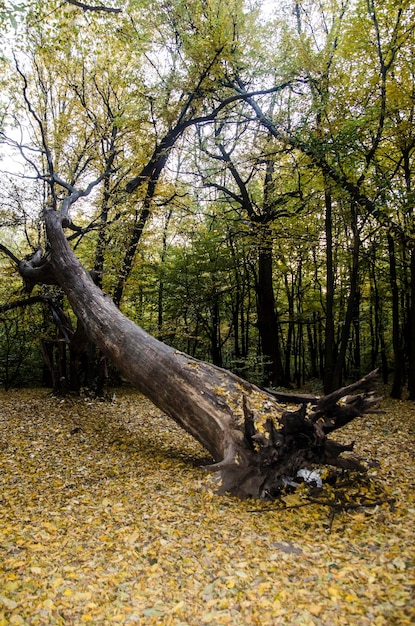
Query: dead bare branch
(97, 7)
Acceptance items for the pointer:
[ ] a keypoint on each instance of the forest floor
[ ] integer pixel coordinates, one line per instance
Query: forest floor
(107, 518)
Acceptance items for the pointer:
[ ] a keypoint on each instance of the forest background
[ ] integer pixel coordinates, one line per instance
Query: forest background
(247, 180)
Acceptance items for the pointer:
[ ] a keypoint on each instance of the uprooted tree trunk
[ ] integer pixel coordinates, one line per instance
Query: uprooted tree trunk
(256, 438)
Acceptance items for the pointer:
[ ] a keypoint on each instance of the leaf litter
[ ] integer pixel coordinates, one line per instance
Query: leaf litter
(106, 517)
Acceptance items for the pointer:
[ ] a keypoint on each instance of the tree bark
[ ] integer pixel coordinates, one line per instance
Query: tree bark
(329, 345)
(255, 441)
(267, 317)
(351, 303)
(411, 325)
(398, 358)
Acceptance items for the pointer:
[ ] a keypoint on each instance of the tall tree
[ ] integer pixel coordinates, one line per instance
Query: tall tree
(249, 183)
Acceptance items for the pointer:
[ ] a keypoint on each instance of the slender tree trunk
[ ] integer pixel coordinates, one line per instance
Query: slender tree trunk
(215, 338)
(351, 306)
(329, 342)
(407, 168)
(236, 302)
(411, 324)
(246, 311)
(103, 219)
(377, 330)
(313, 345)
(291, 327)
(160, 294)
(398, 368)
(130, 253)
(374, 326)
(356, 334)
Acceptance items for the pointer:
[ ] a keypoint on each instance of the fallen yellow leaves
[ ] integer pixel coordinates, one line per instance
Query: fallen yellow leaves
(106, 519)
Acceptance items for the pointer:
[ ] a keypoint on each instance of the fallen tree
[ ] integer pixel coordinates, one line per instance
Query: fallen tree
(257, 438)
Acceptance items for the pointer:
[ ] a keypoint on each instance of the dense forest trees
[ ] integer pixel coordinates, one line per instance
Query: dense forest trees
(237, 179)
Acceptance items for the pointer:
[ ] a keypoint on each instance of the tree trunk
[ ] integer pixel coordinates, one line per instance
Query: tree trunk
(255, 442)
(329, 346)
(396, 391)
(267, 317)
(351, 304)
(411, 325)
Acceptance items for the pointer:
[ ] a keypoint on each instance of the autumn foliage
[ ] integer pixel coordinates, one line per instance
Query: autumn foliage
(107, 520)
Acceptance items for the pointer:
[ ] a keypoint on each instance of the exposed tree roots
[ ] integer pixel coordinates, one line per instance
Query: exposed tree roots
(273, 450)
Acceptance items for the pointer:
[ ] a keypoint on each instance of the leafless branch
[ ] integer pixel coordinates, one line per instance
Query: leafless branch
(95, 7)
(75, 194)
(162, 150)
(9, 253)
(25, 302)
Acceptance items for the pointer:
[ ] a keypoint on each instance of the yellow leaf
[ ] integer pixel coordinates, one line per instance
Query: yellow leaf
(8, 603)
(48, 604)
(16, 620)
(12, 585)
(177, 607)
(350, 597)
(315, 609)
(334, 591)
(133, 538)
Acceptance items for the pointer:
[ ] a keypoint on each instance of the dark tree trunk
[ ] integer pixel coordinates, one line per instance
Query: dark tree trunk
(215, 338)
(329, 345)
(290, 329)
(49, 375)
(356, 334)
(160, 294)
(236, 303)
(411, 325)
(78, 358)
(267, 318)
(376, 326)
(255, 442)
(407, 168)
(313, 346)
(102, 241)
(351, 305)
(396, 391)
(129, 256)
